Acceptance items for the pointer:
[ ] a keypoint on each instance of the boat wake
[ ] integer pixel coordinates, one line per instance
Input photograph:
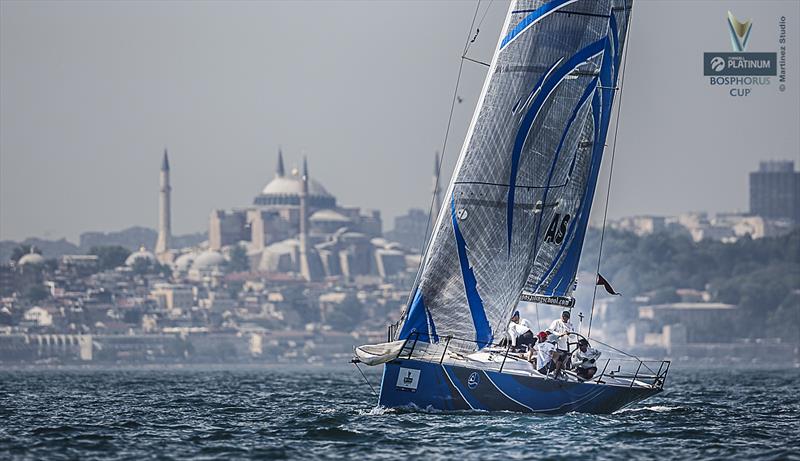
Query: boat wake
(655, 409)
(376, 411)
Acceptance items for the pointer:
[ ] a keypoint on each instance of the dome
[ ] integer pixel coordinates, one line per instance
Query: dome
(31, 258)
(329, 216)
(141, 254)
(286, 190)
(184, 262)
(293, 185)
(208, 260)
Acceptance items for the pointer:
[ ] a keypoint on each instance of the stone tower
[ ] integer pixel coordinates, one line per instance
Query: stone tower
(164, 217)
(305, 267)
(279, 170)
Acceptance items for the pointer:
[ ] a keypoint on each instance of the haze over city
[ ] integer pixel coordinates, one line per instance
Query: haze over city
(90, 95)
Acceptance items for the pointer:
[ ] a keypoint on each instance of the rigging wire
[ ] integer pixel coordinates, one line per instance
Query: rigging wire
(441, 159)
(365, 379)
(611, 166)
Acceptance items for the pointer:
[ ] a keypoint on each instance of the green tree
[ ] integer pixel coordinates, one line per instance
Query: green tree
(110, 257)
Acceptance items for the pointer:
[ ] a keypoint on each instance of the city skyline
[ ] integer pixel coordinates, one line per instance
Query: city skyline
(84, 122)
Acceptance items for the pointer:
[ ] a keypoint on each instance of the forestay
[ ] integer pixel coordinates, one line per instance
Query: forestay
(518, 204)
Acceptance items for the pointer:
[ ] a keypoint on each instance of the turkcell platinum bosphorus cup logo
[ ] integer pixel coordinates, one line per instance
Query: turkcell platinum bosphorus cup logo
(740, 32)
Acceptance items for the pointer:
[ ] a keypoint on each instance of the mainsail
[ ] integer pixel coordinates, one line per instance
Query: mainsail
(517, 207)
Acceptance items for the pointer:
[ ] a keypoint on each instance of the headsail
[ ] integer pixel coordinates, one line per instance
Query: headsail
(517, 206)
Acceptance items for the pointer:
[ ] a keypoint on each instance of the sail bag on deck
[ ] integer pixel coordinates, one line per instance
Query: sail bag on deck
(376, 354)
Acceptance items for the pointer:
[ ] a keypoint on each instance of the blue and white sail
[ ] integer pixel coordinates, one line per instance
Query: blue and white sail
(517, 207)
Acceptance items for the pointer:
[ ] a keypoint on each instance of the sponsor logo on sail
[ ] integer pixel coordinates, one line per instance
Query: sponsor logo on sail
(740, 72)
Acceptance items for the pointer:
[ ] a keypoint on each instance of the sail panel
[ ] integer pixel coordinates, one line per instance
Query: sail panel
(522, 174)
(557, 279)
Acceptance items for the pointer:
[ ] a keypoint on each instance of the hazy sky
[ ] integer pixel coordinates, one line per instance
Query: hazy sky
(91, 93)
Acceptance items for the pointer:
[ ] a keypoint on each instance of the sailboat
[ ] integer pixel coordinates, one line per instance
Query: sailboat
(512, 224)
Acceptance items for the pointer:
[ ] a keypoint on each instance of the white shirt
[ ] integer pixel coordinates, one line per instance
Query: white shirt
(515, 330)
(558, 326)
(583, 359)
(544, 354)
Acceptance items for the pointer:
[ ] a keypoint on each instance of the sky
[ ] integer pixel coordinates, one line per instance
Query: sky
(92, 92)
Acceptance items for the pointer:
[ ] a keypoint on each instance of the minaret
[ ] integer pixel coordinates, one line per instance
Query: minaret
(305, 269)
(437, 191)
(164, 222)
(279, 170)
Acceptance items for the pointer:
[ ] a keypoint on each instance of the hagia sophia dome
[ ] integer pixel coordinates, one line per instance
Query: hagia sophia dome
(286, 189)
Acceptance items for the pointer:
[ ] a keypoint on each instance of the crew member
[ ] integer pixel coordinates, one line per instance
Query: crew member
(544, 356)
(585, 360)
(519, 332)
(562, 328)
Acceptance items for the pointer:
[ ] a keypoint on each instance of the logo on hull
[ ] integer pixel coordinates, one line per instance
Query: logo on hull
(474, 380)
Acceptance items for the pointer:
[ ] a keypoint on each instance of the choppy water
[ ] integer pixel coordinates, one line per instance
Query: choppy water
(329, 413)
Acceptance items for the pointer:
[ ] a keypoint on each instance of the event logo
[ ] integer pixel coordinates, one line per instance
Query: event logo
(740, 32)
(718, 64)
(740, 71)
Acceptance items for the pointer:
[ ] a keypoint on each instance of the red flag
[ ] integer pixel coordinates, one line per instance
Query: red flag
(606, 285)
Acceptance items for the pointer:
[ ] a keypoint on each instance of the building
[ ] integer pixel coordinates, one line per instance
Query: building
(775, 191)
(275, 214)
(410, 229)
(170, 296)
(668, 325)
(296, 226)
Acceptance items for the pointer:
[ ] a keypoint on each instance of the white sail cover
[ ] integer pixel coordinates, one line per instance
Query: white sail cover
(375, 354)
(518, 204)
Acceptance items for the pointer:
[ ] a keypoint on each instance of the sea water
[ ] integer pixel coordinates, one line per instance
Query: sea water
(309, 413)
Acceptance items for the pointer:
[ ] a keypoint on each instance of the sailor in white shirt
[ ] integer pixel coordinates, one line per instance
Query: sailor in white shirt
(562, 328)
(585, 360)
(544, 356)
(519, 331)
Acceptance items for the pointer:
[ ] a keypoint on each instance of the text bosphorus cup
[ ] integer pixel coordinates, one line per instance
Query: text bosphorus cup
(527, 171)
